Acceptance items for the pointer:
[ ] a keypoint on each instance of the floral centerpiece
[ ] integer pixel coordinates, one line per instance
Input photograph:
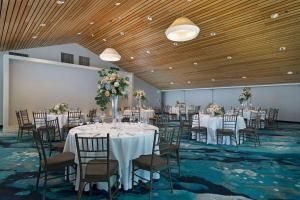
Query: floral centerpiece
(59, 108)
(245, 95)
(110, 86)
(215, 109)
(140, 95)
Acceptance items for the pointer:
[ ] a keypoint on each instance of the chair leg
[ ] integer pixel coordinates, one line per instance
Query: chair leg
(45, 185)
(80, 189)
(38, 178)
(67, 174)
(151, 182)
(178, 160)
(109, 189)
(132, 177)
(170, 176)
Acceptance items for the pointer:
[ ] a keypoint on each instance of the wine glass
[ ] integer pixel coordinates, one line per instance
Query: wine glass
(102, 116)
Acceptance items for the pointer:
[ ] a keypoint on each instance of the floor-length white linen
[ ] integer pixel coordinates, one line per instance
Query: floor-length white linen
(127, 142)
(212, 124)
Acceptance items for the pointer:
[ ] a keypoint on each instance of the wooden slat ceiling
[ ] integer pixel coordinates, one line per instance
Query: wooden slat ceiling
(244, 30)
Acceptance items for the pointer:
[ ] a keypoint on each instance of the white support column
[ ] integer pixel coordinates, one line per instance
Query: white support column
(5, 93)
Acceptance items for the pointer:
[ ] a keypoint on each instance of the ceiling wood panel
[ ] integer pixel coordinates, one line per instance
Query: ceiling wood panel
(244, 30)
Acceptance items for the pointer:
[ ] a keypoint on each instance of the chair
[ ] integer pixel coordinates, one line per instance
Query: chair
(236, 111)
(92, 116)
(201, 131)
(186, 126)
(23, 127)
(125, 118)
(136, 115)
(95, 164)
(197, 109)
(250, 132)
(51, 164)
(39, 120)
(228, 129)
(263, 117)
(24, 117)
(163, 120)
(271, 117)
(54, 137)
(74, 119)
(156, 162)
(175, 142)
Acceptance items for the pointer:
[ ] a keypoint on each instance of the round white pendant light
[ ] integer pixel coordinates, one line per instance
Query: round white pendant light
(182, 29)
(110, 54)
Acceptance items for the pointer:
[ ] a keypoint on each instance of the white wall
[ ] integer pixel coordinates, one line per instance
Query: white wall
(53, 53)
(36, 86)
(284, 97)
(153, 94)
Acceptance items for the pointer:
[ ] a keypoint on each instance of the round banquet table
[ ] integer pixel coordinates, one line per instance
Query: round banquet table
(127, 142)
(145, 114)
(212, 124)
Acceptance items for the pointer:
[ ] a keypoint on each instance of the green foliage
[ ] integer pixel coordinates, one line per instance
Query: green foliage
(110, 84)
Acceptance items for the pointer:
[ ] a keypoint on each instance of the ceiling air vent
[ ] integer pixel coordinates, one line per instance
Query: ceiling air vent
(67, 58)
(84, 61)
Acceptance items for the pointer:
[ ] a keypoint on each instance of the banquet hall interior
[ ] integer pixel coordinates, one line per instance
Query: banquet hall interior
(149, 99)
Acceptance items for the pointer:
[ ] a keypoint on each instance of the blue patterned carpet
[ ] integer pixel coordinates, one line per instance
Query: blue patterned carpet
(271, 171)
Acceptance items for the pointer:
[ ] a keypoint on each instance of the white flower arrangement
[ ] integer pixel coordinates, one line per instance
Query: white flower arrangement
(110, 85)
(140, 95)
(59, 108)
(245, 95)
(215, 109)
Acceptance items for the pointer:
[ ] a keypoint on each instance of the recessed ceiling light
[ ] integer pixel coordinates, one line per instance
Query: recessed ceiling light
(34, 37)
(274, 15)
(152, 71)
(290, 73)
(195, 63)
(91, 23)
(170, 67)
(213, 34)
(42, 25)
(213, 80)
(189, 82)
(282, 48)
(150, 18)
(229, 57)
(244, 77)
(131, 57)
(117, 3)
(175, 43)
(60, 2)
(79, 33)
(172, 83)
(148, 52)
(104, 40)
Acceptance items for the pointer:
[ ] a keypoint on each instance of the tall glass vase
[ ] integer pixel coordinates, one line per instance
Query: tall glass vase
(140, 104)
(114, 107)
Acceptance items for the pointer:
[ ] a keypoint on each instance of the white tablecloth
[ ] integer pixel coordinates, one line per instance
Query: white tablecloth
(127, 142)
(212, 124)
(62, 119)
(247, 113)
(145, 114)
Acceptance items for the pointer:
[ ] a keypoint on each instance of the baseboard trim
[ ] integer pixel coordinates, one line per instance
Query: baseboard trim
(292, 122)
